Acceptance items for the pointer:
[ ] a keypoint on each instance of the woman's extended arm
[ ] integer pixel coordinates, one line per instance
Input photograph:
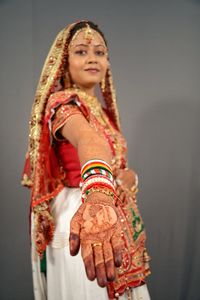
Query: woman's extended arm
(95, 226)
(87, 141)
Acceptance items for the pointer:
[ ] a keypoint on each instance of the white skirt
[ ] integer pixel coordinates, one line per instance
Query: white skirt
(66, 277)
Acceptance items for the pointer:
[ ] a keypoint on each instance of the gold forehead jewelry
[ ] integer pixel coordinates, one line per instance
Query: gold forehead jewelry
(89, 34)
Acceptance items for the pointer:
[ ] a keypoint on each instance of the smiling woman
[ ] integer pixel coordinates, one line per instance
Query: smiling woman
(83, 194)
(88, 62)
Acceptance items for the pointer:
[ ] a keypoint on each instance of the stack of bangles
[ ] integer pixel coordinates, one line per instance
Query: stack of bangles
(96, 176)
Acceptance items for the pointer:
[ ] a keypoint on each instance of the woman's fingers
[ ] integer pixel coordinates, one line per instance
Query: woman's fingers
(99, 261)
(99, 265)
(74, 237)
(109, 262)
(117, 246)
(128, 178)
(87, 255)
(100, 257)
(119, 191)
(122, 197)
(74, 243)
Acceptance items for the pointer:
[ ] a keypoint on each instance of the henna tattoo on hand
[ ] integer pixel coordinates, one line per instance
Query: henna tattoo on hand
(96, 227)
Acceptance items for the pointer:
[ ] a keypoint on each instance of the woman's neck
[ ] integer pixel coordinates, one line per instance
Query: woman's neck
(87, 90)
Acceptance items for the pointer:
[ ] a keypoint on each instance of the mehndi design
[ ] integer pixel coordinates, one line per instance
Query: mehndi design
(96, 228)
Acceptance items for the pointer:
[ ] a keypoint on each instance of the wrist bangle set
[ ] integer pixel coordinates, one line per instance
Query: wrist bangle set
(96, 176)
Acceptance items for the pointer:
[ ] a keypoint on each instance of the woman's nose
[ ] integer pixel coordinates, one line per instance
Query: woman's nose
(92, 57)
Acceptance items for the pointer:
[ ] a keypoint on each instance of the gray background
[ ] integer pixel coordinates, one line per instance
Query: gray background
(154, 50)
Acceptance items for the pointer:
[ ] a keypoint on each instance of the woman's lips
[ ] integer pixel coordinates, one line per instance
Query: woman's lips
(92, 70)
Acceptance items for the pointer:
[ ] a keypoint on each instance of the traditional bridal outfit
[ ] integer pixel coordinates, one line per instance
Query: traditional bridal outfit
(52, 172)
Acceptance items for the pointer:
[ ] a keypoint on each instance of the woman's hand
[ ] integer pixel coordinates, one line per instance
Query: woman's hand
(95, 226)
(126, 180)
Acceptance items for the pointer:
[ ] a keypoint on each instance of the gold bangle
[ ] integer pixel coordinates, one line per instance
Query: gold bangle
(134, 190)
(105, 191)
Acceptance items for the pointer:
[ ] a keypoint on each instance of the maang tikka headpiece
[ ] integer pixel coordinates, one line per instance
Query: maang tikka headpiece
(88, 35)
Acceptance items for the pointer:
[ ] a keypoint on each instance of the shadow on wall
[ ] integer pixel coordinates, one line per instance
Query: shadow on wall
(167, 150)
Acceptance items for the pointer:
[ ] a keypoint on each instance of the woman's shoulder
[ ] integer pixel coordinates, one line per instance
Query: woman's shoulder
(56, 99)
(64, 97)
(60, 96)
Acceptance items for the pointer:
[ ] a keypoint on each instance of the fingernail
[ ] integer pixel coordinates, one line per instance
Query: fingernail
(102, 282)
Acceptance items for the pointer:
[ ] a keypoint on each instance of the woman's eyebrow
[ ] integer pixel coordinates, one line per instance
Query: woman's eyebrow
(100, 45)
(86, 45)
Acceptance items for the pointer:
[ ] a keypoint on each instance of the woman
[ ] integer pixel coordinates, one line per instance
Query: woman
(82, 192)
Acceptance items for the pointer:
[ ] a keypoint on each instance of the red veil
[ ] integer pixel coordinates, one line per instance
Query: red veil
(42, 172)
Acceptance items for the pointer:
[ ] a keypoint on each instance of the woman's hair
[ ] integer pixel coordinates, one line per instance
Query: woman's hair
(83, 24)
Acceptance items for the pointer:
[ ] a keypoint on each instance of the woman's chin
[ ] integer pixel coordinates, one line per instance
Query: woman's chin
(88, 85)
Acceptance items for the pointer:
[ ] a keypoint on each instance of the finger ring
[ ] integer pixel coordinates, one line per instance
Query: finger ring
(136, 180)
(118, 181)
(96, 244)
(134, 187)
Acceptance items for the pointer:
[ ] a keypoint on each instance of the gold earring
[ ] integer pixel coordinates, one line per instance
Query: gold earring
(103, 85)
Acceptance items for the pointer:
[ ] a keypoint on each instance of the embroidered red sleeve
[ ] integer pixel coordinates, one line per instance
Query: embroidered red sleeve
(62, 114)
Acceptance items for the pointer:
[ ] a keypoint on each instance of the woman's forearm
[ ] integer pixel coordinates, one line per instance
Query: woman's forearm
(88, 142)
(93, 147)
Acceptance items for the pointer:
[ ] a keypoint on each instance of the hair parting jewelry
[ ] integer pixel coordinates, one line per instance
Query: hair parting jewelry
(89, 34)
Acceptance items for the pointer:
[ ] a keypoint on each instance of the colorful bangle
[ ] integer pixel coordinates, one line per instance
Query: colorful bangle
(95, 161)
(91, 165)
(94, 189)
(96, 175)
(97, 180)
(98, 184)
(97, 171)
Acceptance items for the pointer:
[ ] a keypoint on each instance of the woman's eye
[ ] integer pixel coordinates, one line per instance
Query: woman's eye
(81, 52)
(100, 53)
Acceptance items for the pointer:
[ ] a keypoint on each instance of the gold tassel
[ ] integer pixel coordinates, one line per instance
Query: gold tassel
(103, 85)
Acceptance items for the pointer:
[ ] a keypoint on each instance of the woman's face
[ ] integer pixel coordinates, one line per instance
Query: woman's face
(88, 61)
